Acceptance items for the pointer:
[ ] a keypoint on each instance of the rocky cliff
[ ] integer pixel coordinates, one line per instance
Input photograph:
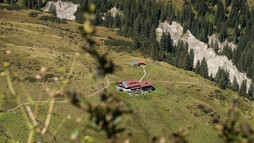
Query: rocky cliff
(62, 9)
(201, 50)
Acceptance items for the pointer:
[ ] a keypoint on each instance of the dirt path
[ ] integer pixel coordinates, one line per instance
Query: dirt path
(33, 102)
(144, 69)
(97, 92)
(197, 83)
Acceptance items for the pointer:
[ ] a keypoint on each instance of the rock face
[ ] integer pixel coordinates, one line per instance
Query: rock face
(201, 50)
(64, 10)
(113, 11)
(214, 38)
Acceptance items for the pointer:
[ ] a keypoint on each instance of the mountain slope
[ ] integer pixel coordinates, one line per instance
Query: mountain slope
(182, 99)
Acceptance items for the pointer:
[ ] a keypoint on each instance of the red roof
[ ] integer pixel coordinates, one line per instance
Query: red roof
(145, 83)
(132, 83)
(135, 84)
(141, 62)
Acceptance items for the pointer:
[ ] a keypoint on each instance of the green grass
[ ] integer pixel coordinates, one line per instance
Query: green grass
(35, 43)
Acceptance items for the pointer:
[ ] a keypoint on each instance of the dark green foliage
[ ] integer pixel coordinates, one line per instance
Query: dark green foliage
(33, 4)
(227, 51)
(222, 78)
(191, 59)
(200, 6)
(53, 19)
(30, 79)
(52, 9)
(235, 86)
(243, 88)
(166, 43)
(216, 47)
(118, 42)
(220, 13)
(180, 56)
(223, 33)
(197, 69)
(33, 14)
(204, 68)
(251, 92)
(227, 3)
(11, 7)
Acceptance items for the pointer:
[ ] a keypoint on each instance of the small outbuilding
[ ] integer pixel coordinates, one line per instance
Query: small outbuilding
(137, 63)
(134, 63)
(141, 62)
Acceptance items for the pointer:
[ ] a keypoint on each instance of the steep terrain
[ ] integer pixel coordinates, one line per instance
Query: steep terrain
(62, 9)
(182, 99)
(201, 51)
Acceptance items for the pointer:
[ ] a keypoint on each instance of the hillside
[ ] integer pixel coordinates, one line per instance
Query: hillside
(182, 99)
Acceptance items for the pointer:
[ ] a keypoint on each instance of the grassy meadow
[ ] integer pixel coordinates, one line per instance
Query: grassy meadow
(182, 99)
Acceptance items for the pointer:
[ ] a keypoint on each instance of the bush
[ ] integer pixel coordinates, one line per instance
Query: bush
(33, 14)
(11, 7)
(117, 42)
(53, 19)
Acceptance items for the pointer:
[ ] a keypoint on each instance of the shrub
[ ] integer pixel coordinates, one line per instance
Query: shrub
(117, 42)
(53, 19)
(11, 7)
(33, 14)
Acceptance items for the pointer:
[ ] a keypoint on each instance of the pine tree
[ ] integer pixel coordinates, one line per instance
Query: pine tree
(235, 86)
(202, 7)
(210, 29)
(227, 3)
(155, 50)
(197, 69)
(216, 47)
(137, 24)
(191, 59)
(222, 78)
(185, 61)
(204, 68)
(243, 88)
(163, 42)
(40, 4)
(169, 44)
(117, 22)
(136, 43)
(250, 91)
(223, 33)
(52, 9)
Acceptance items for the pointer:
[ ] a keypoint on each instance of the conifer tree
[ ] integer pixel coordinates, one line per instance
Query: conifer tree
(222, 78)
(204, 68)
(223, 33)
(250, 91)
(169, 44)
(227, 3)
(40, 4)
(117, 21)
(191, 59)
(243, 88)
(235, 86)
(137, 24)
(216, 47)
(163, 42)
(197, 69)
